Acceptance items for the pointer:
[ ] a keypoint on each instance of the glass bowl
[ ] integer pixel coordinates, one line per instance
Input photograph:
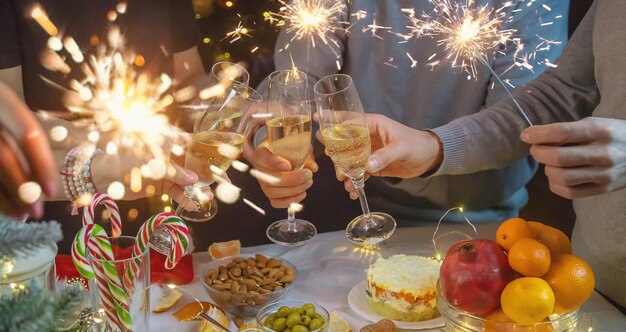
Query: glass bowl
(461, 321)
(272, 308)
(246, 305)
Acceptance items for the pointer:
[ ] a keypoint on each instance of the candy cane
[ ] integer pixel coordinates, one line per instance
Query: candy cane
(179, 232)
(91, 271)
(109, 203)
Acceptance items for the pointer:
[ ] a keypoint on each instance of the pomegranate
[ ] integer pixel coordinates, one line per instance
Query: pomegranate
(473, 275)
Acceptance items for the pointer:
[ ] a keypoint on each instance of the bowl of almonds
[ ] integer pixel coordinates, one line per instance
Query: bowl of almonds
(243, 284)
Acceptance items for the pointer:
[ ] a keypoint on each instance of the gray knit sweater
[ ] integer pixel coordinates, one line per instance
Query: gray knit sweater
(590, 80)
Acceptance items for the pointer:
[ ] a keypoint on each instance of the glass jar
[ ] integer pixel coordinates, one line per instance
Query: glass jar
(130, 308)
(36, 266)
(460, 321)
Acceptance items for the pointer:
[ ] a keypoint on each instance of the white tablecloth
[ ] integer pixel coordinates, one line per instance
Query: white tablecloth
(329, 266)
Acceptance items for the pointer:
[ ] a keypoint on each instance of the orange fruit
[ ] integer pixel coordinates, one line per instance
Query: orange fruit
(168, 299)
(497, 321)
(224, 249)
(536, 226)
(527, 300)
(554, 239)
(529, 257)
(512, 230)
(572, 281)
(191, 310)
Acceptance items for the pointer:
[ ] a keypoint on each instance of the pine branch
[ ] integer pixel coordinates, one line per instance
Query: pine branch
(18, 238)
(31, 310)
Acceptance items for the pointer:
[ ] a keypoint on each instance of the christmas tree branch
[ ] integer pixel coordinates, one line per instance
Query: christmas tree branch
(17, 238)
(30, 310)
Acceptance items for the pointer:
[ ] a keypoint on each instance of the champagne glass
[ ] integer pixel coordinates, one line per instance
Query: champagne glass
(289, 136)
(217, 141)
(347, 141)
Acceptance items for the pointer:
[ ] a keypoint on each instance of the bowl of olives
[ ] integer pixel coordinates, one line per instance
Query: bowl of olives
(293, 316)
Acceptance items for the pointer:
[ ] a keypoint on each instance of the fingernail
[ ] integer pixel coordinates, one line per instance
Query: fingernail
(191, 177)
(284, 167)
(306, 175)
(372, 165)
(524, 136)
(36, 210)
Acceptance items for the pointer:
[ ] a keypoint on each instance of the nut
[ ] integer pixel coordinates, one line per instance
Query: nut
(254, 276)
(273, 262)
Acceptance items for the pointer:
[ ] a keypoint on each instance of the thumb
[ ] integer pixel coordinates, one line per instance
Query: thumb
(382, 157)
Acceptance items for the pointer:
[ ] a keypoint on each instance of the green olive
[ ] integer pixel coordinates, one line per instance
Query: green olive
(316, 323)
(287, 329)
(267, 324)
(305, 321)
(293, 320)
(318, 316)
(280, 324)
(270, 319)
(299, 328)
(283, 312)
(298, 311)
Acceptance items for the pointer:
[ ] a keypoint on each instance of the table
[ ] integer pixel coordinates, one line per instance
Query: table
(329, 266)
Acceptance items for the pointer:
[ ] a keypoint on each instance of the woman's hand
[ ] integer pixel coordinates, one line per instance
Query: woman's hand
(25, 155)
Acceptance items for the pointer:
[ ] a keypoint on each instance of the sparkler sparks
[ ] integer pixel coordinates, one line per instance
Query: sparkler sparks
(237, 34)
(110, 96)
(467, 34)
(311, 19)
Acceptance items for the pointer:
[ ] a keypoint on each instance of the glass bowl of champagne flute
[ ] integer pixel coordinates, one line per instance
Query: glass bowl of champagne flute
(289, 136)
(216, 142)
(347, 140)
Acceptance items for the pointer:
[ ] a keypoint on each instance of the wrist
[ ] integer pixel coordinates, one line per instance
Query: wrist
(435, 147)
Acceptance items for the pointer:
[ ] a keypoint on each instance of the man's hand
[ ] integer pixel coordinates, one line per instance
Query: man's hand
(290, 186)
(582, 158)
(25, 155)
(397, 151)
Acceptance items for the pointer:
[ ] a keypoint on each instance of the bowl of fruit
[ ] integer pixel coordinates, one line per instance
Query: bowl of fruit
(244, 284)
(526, 280)
(293, 316)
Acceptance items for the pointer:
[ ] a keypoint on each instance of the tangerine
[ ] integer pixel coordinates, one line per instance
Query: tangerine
(572, 281)
(224, 249)
(511, 231)
(554, 239)
(529, 257)
(191, 310)
(527, 300)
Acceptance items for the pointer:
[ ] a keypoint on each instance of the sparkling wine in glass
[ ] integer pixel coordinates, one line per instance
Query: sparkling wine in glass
(289, 136)
(347, 141)
(216, 142)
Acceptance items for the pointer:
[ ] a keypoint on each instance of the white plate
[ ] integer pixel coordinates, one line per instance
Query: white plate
(358, 302)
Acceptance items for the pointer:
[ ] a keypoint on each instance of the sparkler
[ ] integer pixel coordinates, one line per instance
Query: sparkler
(468, 34)
(109, 95)
(311, 19)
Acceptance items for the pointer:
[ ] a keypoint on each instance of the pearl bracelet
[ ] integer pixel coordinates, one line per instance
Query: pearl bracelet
(77, 179)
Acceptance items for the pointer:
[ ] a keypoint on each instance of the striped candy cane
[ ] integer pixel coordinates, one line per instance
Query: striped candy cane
(91, 270)
(180, 243)
(109, 203)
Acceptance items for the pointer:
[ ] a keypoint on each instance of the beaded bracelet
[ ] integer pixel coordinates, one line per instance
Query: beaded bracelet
(77, 179)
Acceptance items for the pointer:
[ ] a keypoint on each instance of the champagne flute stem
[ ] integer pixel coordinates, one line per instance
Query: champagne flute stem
(359, 185)
(291, 220)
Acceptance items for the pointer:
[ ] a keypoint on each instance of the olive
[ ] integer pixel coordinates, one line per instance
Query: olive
(283, 312)
(310, 309)
(305, 321)
(267, 324)
(298, 311)
(279, 324)
(293, 320)
(287, 329)
(316, 324)
(299, 328)
(270, 319)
